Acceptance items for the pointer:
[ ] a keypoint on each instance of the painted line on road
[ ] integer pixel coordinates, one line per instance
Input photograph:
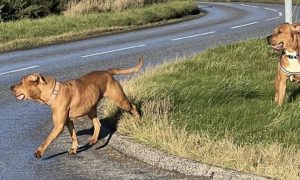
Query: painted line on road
(249, 6)
(238, 26)
(272, 18)
(18, 70)
(271, 9)
(196, 35)
(243, 25)
(115, 50)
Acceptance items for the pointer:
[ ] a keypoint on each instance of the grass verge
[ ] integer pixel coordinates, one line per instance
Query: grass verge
(32, 33)
(255, 1)
(217, 108)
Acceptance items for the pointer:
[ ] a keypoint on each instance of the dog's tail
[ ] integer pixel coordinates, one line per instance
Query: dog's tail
(129, 70)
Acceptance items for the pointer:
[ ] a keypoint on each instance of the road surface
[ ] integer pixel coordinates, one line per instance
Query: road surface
(24, 125)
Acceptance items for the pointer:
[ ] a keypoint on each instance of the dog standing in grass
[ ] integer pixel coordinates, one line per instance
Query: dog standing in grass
(285, 39)
(75, 98)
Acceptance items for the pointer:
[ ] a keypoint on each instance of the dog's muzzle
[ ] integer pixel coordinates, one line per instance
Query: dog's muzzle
(269, 39)
(18, 96)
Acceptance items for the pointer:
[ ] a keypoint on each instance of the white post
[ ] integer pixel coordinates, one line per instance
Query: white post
(288, 11)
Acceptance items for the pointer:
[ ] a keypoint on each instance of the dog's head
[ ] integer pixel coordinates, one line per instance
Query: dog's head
(30, 87)
(284, 36)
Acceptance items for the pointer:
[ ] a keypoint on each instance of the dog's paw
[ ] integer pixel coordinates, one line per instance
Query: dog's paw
(72, 151)
(93, 141)
(38, 153)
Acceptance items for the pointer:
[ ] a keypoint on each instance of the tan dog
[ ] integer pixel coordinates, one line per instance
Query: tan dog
(74, 98)
(286, 39)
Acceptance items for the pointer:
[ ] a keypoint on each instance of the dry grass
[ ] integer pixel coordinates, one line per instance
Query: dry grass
(159, 127)
(159, 131)
(92, 6)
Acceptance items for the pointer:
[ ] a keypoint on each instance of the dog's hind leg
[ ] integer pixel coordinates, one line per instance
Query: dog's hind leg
(93, 116)
(115, 92)
(70, 126)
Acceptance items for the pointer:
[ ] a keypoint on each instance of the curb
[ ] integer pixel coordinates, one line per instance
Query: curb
(173, 163)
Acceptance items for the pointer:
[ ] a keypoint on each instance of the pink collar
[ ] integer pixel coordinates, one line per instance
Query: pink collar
(54, 92)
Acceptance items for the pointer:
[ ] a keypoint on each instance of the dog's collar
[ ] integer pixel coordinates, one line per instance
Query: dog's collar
(291, 55)
(289, 73)
(54, 92)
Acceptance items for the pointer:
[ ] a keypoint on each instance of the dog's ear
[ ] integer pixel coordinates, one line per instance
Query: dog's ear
(36, 77)
(296, 28)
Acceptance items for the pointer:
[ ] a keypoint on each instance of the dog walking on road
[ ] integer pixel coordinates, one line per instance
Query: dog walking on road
(75, 98)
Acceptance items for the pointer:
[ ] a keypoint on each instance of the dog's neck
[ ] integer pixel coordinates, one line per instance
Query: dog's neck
(291, 54)
(54, 93)
(290, 63)
(48, 90)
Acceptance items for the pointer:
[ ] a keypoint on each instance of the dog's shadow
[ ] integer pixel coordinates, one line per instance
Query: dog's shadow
(295, 93)
(108, 128)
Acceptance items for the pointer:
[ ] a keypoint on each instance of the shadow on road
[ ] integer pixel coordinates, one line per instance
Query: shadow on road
(54, 155)
(108, 128)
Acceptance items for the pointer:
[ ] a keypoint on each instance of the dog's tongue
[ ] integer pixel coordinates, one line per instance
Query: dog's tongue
(20, 97)
(277, 47)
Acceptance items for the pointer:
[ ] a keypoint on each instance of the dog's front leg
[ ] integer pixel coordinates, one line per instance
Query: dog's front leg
(96, 123)
(276, 84)
(71, 128)
(59, 119)
(281, 88)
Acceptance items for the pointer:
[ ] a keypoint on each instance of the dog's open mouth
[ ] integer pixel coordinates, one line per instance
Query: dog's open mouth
(20, 97)
(277, 47)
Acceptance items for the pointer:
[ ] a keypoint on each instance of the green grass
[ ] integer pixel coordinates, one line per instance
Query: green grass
(31, 33)
(217, 107)
(228, 90)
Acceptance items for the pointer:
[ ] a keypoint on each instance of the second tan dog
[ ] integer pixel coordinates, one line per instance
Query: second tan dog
(286, 39)
(75, 98)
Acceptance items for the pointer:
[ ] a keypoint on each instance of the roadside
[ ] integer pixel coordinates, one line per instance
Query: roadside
(219, 111)
(56, 29)
(254, 1)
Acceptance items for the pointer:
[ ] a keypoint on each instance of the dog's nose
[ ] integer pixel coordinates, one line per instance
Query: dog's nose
(12, 88)
(269, 39)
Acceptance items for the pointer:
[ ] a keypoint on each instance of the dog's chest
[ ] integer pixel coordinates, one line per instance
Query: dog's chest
(293, 66)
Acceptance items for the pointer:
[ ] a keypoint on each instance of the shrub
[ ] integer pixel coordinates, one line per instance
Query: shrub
(11, 10)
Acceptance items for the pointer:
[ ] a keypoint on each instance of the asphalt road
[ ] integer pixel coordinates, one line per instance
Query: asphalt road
(24, 125)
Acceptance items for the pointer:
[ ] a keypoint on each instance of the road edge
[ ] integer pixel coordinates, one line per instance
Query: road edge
(173, 163)
(111, 32)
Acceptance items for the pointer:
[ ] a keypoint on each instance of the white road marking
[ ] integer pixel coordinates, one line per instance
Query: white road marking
(280, 13)
(17, 70)
(115, 50)
(271, 9)
(272, 18)
(243, 25)
(196, 35)
(249, 6)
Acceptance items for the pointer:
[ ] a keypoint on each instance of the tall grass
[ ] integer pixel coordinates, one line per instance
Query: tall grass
(217, 108)
(30, 33)
(92, 6)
